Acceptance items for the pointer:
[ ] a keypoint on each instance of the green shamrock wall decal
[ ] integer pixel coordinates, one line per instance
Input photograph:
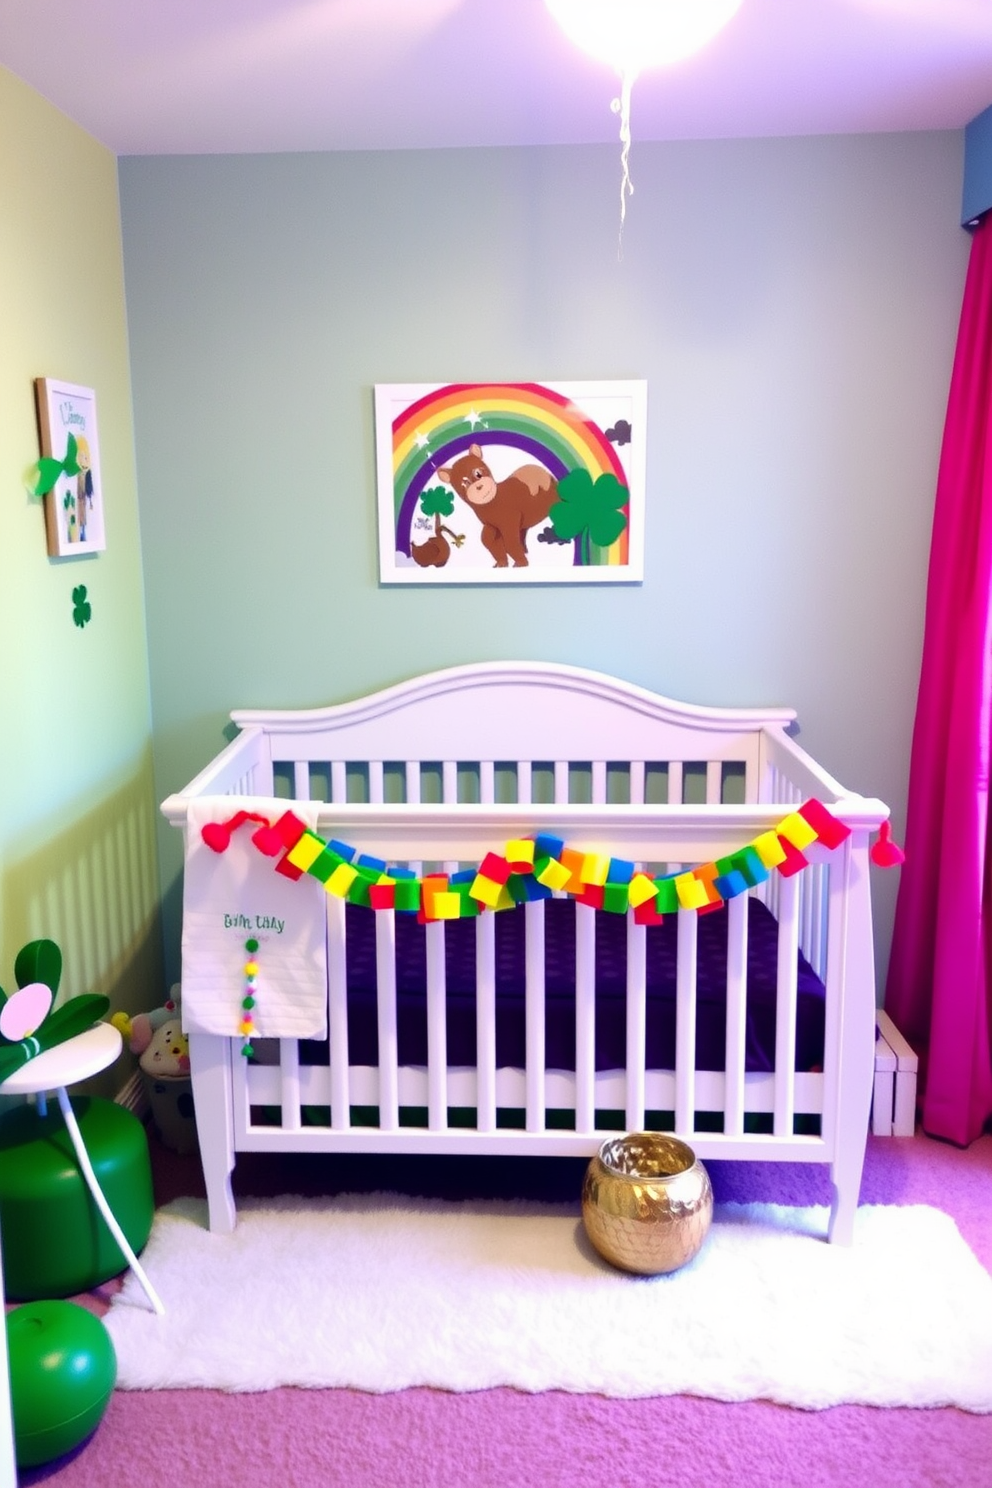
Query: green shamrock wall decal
(82, 610)
(589, 511)
(27, 1024)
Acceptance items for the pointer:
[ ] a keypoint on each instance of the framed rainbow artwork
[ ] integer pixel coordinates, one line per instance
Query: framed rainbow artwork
(511, 482)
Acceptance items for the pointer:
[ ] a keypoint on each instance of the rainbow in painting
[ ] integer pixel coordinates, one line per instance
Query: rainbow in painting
(422, 430)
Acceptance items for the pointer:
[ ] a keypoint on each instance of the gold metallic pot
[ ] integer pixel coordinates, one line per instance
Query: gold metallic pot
(647, 1202)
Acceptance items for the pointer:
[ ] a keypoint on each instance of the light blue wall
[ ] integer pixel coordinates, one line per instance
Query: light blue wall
(792, 305)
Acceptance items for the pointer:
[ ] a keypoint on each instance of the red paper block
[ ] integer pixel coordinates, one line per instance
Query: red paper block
(794, 861)
(828, 829)
(495, 868)
(592, 895)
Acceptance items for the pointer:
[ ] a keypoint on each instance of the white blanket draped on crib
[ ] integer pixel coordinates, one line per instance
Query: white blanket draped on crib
(235, 896)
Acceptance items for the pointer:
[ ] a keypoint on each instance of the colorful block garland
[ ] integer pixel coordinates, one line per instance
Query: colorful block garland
(529, 869)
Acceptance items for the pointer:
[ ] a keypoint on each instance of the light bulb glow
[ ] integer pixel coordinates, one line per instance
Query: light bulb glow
(632, 36)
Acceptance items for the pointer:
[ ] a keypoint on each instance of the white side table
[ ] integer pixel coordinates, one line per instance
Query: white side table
(54, 1069)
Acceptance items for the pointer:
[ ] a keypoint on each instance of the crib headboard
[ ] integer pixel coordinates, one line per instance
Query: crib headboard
(509, 732)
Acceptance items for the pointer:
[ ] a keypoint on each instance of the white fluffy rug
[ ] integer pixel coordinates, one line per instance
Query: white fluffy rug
(380, 1293)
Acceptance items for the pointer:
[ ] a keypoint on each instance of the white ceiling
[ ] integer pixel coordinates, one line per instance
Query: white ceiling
(217, 76)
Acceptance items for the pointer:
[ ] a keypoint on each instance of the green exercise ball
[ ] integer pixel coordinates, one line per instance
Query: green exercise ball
(56, 1242)
(62, 1373)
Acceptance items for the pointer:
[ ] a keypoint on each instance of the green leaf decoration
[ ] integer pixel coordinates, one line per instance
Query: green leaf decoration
(588, 509)
(39, 961)
(82, 610)
(71, 462)
(49, 471)
(439, 501)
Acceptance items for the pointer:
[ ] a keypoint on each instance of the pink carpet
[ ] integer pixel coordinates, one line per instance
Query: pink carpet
(501, 1439)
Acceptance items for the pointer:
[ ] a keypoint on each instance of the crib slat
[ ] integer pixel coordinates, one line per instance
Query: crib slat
(412, 772)
(449, 782)
(585, 1018)
(637, 779)
(289, 1084)
(337, 1015)
(636, 1012)
(437, 1032)
(675, 782)
(561, 782)
(598, 782)
(685, 1023)
(714, 782)
(487, 782)
(339, 780)
(785, 1006)
(301, 780)
(385, 959)
(733, 1109)
(485, 1015)
(375, 782)
(534, 998)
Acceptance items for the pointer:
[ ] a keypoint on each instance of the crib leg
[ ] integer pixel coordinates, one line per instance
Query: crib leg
(844, 1206)
(210, 1065)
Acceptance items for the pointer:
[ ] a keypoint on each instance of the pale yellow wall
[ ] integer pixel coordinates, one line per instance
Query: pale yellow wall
(77, 808)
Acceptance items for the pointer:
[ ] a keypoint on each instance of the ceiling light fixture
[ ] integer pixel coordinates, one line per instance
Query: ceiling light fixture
(632, 36)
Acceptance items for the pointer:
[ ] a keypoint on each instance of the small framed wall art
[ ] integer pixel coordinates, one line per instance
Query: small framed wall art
(511, 483)
(70, 468)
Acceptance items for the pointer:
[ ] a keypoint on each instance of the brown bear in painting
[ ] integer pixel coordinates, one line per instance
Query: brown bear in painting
(508, 508)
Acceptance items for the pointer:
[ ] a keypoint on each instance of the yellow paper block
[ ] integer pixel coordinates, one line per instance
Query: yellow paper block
(341, 880)
(641, 889)
(692, 894)
(595, 869)
(306, 851)
(769, 849)
(485, 890)
(520, 850)
(554, 875)
(445, 906)
(505, 900)
(797, 830)
(384, 878)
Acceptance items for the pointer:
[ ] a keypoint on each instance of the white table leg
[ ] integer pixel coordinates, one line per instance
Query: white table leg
(101, 1203)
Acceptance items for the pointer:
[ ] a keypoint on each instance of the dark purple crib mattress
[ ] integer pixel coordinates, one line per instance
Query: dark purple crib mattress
(611, 997)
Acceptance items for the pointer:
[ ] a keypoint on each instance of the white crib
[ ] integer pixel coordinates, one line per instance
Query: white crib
(442, 769)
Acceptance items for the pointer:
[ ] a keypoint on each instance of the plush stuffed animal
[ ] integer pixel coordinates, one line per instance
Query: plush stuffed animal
(163, 1058)
(158, 1040)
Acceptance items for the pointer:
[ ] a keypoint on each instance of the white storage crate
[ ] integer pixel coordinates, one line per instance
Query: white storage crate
(893, 1111)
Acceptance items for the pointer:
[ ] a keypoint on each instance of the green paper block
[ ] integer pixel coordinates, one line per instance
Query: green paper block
(358, 893)
(749, 865)
(469, 907)
(408, 895)
(616, 898)
(518, 888)
(667, 901)
(321, 868)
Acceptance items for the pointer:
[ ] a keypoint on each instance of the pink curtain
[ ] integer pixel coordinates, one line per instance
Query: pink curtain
(939, 990)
